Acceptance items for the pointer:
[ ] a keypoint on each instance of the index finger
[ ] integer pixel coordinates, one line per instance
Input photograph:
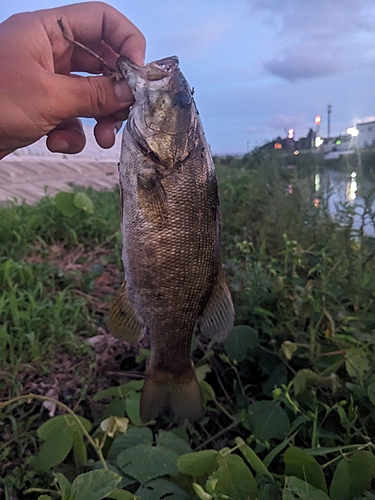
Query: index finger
(91, 22)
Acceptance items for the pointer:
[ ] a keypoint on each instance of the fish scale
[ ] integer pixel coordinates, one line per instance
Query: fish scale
(174, 283)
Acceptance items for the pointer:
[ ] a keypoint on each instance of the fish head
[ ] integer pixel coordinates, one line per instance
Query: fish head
(164, 115)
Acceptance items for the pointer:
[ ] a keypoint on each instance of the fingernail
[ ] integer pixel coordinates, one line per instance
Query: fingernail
(61, 146)
(123, 92)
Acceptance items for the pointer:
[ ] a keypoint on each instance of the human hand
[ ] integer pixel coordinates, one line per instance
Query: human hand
(39, 96)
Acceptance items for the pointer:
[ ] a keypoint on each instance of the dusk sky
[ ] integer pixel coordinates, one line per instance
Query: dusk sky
(260, 67)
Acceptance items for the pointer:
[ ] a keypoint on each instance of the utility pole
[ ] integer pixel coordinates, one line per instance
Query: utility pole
(329, 110)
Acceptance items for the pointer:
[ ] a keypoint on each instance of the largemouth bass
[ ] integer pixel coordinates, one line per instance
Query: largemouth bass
(171, 237)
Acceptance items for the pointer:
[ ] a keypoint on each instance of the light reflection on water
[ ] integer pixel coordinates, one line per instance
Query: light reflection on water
(351, 188)
(343, 189)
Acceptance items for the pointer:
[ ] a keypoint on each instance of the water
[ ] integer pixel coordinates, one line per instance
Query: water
(345, 190)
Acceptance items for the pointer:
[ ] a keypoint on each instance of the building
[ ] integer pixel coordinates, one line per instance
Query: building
(366, 134)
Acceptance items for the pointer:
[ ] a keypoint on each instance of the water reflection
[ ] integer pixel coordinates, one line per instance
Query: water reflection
(351, 187)
(339, 190)
(317, 183)
(316, 189)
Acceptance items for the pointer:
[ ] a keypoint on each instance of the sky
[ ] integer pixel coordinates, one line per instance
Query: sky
(260, 67)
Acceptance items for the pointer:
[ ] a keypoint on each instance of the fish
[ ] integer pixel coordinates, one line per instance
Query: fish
(174, 281)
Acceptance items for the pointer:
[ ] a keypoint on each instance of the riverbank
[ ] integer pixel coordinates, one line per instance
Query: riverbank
(291, 389)
(30, 173)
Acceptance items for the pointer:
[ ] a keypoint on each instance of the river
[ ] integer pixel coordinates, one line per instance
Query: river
(347, 190)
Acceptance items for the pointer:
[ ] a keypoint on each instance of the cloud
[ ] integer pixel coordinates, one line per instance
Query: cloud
(281, 121)
(277, 124)
(293, 65)
(366, 119)
(317, 38)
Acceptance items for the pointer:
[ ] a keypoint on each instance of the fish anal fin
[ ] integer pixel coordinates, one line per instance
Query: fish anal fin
(176, 394)
(151, 192)
(217, 318)
(123, 322)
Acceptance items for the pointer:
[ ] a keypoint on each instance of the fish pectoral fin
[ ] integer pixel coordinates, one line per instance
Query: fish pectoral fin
(176, 394)
(217, 318)
(151, 192)
(122, 321)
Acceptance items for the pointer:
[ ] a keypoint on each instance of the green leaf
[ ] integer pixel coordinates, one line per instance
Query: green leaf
(252, 457)
(234, 478)
(353, 475)
(324, 450)
(94, 485)
(288, 495)
(117, 494)
(371, 393)
(201, 494)
(268, 420)
(208, 394)
(65, 204)
(141, 435)
(211, 485)
(58, 434)
(197, 463)
(155, 461)
(242, 339)
(288, 349)
(44, 497)
(303, 379)
(201, 372)
(83, 202)
(172, 442)
(55, 449)
(303, 490)
(65, 486)
(357, 363)
(132, 403)
(116, 408)
(162, 488)
(300, 464)
(120, 390)
(56, 424)
(268, 489)
(51, 426)
(79, 449)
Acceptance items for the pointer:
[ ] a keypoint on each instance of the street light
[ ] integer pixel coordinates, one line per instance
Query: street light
(353, 131)
(317, 124)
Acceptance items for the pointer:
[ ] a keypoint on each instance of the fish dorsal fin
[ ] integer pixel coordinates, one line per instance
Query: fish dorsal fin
(122, 321)
(217, 318)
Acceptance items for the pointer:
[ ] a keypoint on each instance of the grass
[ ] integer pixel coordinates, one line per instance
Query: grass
(303, 290)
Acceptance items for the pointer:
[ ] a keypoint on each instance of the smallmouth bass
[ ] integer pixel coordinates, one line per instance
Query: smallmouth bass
(174, 281)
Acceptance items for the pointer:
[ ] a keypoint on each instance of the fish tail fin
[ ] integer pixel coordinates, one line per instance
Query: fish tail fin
(175, 393)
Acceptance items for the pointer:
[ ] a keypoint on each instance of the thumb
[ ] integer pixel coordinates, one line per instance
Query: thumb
(90, 96)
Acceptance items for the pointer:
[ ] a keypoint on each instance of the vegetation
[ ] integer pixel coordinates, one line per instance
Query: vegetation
(290, 395)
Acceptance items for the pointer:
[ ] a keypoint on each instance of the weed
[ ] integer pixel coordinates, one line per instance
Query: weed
(289, 395)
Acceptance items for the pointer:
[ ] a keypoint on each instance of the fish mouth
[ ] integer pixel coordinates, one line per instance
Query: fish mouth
(153, 71)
